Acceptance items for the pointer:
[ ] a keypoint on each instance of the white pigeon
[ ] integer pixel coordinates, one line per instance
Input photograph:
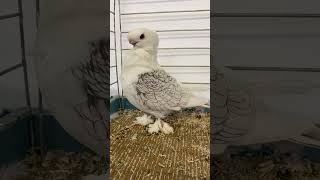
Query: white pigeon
(247, 113)
(150, 88)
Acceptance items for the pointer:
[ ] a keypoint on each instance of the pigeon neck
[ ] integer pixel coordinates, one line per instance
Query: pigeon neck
(151, 50)
(154, 54)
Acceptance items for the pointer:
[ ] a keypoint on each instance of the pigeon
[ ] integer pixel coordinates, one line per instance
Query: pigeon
(72, 68)
(247, 113)
(149, 87)
(94, 75)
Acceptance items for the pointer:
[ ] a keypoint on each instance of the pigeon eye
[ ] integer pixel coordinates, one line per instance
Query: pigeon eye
(142, 36)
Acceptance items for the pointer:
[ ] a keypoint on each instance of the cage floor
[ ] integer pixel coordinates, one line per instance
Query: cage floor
(281, 160)
(136, 154)
(56, 165)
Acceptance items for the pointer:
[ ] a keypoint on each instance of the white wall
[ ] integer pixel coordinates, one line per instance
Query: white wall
(271, 42)
(268, 42)
(267, 6)
(184, 30)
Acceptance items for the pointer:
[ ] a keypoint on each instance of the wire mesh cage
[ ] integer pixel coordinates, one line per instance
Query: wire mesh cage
(7, 68)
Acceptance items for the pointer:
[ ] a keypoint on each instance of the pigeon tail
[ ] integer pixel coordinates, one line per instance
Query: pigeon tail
(310, 137)
(194, 101)
(195, 88)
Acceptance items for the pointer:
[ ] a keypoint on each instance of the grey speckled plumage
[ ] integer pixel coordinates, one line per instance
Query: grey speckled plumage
(158, 91)
(250, 110)
(94, 74)
(231, 109)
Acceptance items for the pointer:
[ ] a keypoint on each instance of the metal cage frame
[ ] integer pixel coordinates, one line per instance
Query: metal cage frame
(23, 63)
(35, 129)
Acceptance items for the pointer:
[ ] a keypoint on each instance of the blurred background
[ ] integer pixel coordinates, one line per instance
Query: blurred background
(30, 137)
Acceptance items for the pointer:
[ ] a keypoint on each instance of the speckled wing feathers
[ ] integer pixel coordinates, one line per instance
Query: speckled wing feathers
(94, 74)
(158, 91)
(231, 108)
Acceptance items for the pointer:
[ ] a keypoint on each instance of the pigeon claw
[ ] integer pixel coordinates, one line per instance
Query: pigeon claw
(159, 125)
(143, 120)
(154, 128)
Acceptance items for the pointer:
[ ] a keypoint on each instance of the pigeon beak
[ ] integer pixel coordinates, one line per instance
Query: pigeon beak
(133, 42)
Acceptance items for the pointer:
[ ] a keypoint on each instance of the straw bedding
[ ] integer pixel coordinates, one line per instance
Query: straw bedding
(136, 154)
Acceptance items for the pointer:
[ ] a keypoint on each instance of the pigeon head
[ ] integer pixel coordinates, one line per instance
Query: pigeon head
(143, 38)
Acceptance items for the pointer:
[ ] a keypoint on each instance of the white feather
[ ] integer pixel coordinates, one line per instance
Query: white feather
(142, 60)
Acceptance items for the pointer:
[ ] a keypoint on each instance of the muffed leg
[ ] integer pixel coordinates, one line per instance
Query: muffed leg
(160, 125)
(144, 120)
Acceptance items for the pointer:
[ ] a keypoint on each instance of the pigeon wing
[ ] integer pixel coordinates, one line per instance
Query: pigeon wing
(95, 72)
(158, 91)
(94, 75)
(231, 108)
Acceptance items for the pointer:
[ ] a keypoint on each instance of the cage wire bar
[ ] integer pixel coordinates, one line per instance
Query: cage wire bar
(41, 125)
(115, 44)
(23, 64)
(269, 15)
(121, 55)
(115, 49)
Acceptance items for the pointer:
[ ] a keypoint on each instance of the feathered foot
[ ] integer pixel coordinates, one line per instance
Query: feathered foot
(160, 125)
(144, 120)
